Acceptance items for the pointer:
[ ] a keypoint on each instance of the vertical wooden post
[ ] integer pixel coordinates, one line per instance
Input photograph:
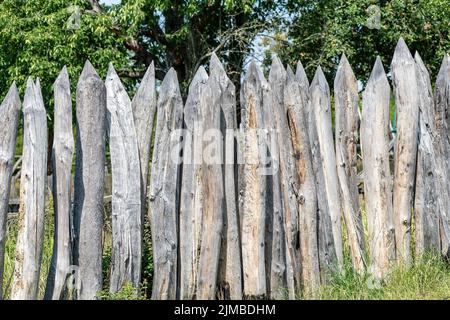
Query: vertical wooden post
(164, 190)
(191, 211)
(63, 147)
(405, 152)
(144, 109)
(230, 268)
(89, 182)
(253, 183)
(442, 121)
(327, 251)
(347, 131)
(285, 268)
(377, 176)
(428, 202)
(213, 190)
(320, 105)
(9, 120)
(32, 196)
(296, 104)
(126, 200)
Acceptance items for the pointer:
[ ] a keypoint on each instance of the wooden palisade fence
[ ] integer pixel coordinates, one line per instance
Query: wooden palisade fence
(264, 208)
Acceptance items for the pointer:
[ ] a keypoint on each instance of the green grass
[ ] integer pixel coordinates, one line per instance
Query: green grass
(427, 279)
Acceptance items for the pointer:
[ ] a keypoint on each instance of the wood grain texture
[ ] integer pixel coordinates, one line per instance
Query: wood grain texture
(442, 148)
(377, 176)
(89, 182)
(230, 266)
(144, 110)
(33, 180)
(428, 203)
(303, 179)
(320, 105)
(252, 192)
(164, 188)
(126, 197)
(280, 275)
(405, 152)
(63, 148)
(9, 122)
(213, 191)
(347, 132)
(191, 210)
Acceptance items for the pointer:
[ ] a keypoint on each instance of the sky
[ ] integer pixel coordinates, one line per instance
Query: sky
(109, 1)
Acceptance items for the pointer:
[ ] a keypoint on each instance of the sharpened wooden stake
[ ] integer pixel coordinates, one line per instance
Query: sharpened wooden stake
(405, 151)
(441, 115)
(252, 192)
(144, 109)
(191, 212)
(63, 148)
(126, 197)
(164, 188)
(296, 104)
(347, 131)
(89, 183)
(230, 267)
(30, 238)
(9, 121)
(428, 203)
(320, 105)
(377, 176)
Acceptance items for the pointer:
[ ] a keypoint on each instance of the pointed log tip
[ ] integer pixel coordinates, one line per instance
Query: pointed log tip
(200, 76)
(63, 77)
(300, 74)
(170, 82)
(444, 70)
(254, 72)
(401, 52)
(319, 79)
(377, 71)
(289, 72)
(88, 70)
(112, 74)
(12, 94)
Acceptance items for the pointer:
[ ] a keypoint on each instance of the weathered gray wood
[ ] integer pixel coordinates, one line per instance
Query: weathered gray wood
(230, 266)
(347, 131)
(30, 237)
(191, 188)
(9, 120)
(164, 190)
(126, 200)
(277, 269)
(442, 149)
(89, 182)
(377, 176)
(296, 104)
(213, 191)
(327, 251)
(63, 147)
(405, 152)
(428, 202)
(144, 109)
(320, 105)
(252, 193)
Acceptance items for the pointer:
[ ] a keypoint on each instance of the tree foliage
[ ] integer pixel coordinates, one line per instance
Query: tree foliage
(319, 31)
